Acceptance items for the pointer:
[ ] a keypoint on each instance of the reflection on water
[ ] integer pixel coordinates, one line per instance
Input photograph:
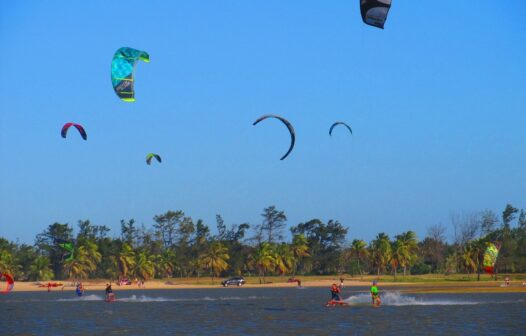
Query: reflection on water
(260, 311)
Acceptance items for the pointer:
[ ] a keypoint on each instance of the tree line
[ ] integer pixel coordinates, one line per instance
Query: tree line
(177, 246)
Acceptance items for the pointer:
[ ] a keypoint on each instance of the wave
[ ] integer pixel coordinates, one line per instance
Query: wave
(397, 299)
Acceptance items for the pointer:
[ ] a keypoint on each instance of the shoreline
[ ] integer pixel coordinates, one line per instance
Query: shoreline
(438, 287)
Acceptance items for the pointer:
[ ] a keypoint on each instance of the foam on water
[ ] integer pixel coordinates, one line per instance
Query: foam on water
(91, 297)
(144, 298)
(397, 299)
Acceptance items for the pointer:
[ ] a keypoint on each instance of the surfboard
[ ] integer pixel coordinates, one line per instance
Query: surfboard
(334, 303)
(110, 297)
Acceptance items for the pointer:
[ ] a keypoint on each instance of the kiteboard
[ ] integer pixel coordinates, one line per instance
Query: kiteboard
(110, 297)
(334, 303)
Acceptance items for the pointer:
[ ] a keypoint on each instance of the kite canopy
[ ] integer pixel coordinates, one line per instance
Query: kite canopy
(490, 258)
(289, 126)
(68, 246)
(339, 123)
(152, 155)
(10, 282)
(123, 70)
(374, 12)
(81, 130)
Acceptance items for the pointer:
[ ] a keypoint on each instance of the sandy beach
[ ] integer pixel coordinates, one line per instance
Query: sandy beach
(202, 283)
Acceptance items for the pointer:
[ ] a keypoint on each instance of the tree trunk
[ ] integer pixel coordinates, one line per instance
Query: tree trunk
(359, 268)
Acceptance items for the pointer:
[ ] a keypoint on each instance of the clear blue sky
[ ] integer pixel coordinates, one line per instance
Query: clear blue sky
(437, 103)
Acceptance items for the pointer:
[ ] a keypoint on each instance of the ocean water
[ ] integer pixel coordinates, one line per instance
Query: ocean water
(260, 311)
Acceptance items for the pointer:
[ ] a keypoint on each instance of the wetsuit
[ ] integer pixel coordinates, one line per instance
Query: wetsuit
(108, 290)
(335, 292)
(374, 293)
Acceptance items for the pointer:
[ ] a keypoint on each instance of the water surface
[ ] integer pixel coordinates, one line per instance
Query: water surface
(262, 311)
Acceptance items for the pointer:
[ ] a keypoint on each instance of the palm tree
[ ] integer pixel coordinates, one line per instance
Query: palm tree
(359, 251)
(215, 259)
(395, 257)
(7, 262)
(40, 270)
(405, 249)
(468, 257)
(144, 266)
(165, 263)
(381, 251)
(86, 259)
(262, 259)
(299, 249)
(283, 258)
(126, 259)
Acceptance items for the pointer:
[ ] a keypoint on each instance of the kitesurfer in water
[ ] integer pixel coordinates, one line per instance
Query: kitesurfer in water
(335, 293)
(374, 294)
(108, 289)
(80, 289)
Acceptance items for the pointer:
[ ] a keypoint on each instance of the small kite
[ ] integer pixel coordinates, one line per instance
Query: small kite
(10, 282)
(374, 12)
(490, 257)
(68, 246)
(123, 71)
(150, 156)
(339, 123)
(289, 126)
(81, 130)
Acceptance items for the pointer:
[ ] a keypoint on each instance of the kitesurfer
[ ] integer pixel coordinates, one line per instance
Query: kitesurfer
(80, 289)
(374, 293)
(335, 293)
(108, 289)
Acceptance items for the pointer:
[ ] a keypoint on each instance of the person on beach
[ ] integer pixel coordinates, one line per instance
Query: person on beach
(335, 293)
(374, 294)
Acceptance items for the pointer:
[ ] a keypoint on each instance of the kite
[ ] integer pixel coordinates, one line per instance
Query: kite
(374, 12)
(123, 70)
(289, 126)
(81, 130)
(490, 257)
(339, 123)
(152, 155)
(10, 282)
(68, 246)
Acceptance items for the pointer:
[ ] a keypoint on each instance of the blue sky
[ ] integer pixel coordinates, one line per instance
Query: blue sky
(436, 101)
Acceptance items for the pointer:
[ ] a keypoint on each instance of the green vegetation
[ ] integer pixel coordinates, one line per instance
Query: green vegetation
(176, 246)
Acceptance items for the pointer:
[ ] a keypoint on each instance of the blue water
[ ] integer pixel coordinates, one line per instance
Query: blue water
(260, 311)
